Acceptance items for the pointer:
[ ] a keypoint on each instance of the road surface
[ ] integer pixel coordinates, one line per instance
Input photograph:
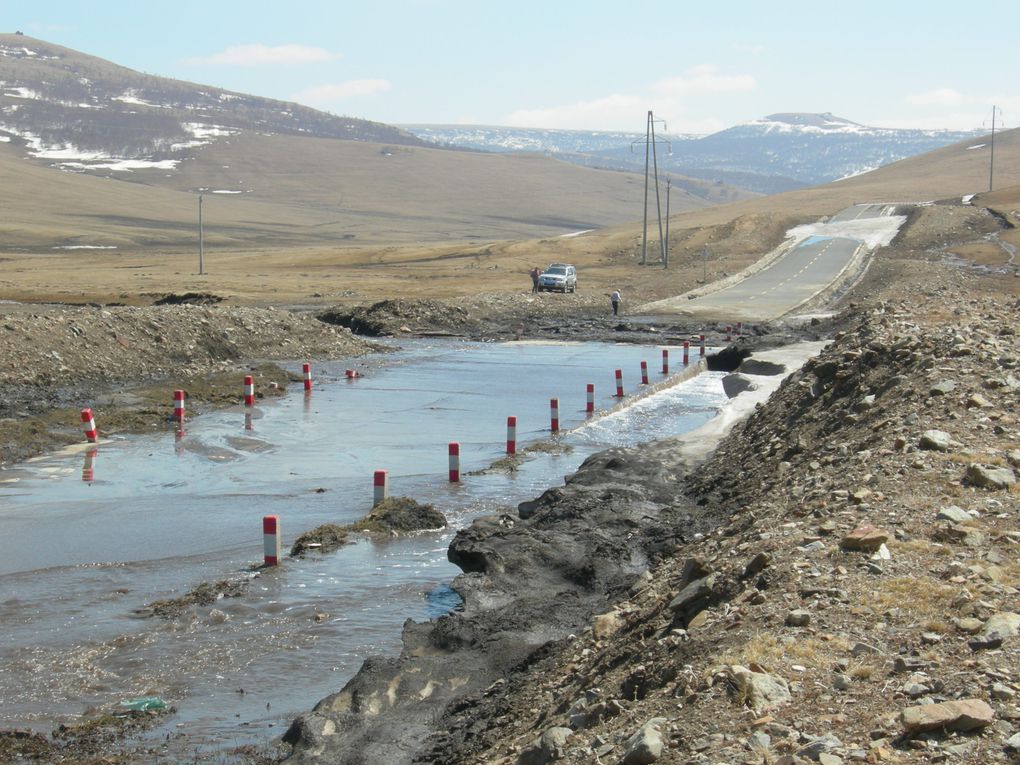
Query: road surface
(819, 257)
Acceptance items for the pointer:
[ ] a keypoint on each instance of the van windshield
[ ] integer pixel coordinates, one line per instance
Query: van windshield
(556, 270)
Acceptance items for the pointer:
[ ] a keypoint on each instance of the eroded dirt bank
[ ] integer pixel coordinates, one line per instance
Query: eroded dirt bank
(837, 583)
(125, 363)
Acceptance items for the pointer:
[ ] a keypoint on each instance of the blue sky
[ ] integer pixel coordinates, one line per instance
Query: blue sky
(592, 65)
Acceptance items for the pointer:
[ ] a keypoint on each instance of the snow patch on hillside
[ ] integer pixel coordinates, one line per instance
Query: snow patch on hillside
(131, 97)
(826, 128)
(21, 52)
(12, 92)
(70, 157)
(124, 165)
(86, 247)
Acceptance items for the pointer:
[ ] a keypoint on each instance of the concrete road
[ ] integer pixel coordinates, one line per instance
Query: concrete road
(789, 277)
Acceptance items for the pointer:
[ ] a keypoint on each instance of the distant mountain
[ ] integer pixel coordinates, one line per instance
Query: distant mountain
(777, 153)
(84, 113)
(510, 139)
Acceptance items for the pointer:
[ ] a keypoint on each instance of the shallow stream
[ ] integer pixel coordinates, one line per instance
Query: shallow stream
(81, 552)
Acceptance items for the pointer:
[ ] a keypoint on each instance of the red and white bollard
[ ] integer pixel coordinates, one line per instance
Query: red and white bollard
(179, 406)
(454, 462)
(351, 374)
(729, 333)
(88, 469)
(249, 390)
(511, 435)
(271, 539)
(306, 370)
(644, 373)
(89, 424)
(687, 352)
(619, 383)
(590, 407)
(702, 352)
(740, 327)
(665, 361)
(381, 486)
(554, 415)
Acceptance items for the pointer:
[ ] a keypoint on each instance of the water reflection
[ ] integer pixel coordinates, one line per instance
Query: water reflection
(88, 469)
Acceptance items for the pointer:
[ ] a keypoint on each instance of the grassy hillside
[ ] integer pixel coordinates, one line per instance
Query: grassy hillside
(308, 191)
(274, 174)
(398, 207)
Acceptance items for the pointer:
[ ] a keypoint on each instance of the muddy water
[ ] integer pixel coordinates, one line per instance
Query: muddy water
(91, 535)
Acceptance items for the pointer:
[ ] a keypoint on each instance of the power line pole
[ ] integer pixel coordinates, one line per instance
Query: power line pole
(201, 239)
(665, 241)
(644, 227)
(991, 159)
(650, 153)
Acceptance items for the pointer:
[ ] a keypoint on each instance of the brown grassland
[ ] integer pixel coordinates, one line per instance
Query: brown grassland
(414, 250)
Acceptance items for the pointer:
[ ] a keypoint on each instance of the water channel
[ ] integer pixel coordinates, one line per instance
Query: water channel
(81, 552)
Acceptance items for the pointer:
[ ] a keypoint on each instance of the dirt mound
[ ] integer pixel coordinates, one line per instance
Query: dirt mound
(398, 317)
(325, 538)
(400, 515)
(189, 298)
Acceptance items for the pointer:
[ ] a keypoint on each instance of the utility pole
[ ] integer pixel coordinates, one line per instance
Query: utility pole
(991, 159)
(201, 239)
(650, 143)
(665, 241)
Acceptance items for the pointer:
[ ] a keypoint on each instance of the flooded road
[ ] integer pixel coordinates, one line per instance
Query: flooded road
(88, 538)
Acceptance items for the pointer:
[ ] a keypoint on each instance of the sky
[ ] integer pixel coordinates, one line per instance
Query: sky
(571, 64)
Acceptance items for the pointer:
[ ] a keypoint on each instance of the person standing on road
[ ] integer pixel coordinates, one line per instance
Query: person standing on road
(615, 299)
(535, 273)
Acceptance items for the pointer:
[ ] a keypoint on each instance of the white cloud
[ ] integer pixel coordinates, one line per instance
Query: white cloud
(608, 110)
(936, 97)
(258, 55)
(670, 98)
(323, 95)
(947, 120)
(703, 79)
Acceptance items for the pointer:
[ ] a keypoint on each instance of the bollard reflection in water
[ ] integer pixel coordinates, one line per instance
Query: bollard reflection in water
(88, 469)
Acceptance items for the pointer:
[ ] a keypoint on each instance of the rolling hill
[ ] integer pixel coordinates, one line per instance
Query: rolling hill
(96, 155)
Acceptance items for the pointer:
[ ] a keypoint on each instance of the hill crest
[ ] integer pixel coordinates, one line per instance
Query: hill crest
(85, 113)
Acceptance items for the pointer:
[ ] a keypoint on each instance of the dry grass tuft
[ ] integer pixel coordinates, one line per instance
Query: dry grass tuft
(919, 597)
